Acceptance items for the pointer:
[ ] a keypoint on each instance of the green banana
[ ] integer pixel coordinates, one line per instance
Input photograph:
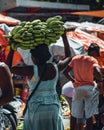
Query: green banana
(53, 23)
(6, 36)
(51, 35)
(35, 22)
(58, 17)
(15, 30)
(23, 23)
(30, 34)
(51, 19)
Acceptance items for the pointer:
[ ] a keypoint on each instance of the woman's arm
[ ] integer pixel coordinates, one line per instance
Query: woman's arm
(67, 48)
(6, 85)
(26, 70)
(19, 70)
(9, 58)
(63, 63)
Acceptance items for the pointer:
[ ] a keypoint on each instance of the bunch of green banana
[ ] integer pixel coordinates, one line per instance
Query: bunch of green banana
(27, 35)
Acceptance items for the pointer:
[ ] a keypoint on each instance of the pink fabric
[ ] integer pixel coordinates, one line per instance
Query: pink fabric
(83, 69)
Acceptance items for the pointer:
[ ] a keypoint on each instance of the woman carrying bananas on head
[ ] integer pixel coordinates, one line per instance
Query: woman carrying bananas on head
(43, 108)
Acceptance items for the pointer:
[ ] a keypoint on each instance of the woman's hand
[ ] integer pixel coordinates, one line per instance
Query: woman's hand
(13, 44)
(69, 28)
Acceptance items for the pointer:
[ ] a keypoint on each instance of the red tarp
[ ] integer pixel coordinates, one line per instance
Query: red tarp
(8, 20)
(17, 57)
(86, 39)
(98, 13)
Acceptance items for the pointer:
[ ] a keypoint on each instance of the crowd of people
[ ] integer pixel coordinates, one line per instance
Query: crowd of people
(88, 84)
(43, 105)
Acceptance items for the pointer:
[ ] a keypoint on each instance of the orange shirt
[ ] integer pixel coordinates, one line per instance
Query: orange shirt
(83, 69)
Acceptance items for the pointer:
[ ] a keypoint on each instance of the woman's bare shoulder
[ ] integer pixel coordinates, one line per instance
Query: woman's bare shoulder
(50, 72)
(5, 74)
(3, 66)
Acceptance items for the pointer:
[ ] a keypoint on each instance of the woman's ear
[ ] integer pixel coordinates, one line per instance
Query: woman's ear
(35, 60)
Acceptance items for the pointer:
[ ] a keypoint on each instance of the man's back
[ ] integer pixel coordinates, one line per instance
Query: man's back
(83, 69)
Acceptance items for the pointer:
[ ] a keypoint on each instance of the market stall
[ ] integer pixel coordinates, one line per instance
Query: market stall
(79, 40)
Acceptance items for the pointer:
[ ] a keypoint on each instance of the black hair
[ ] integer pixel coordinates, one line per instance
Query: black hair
(41, 52)
(94, 47)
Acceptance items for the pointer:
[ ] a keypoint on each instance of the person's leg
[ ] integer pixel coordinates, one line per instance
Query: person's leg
(77, 110)
(72, 123)
(76, 124)
(91, 106)
(89, 124)
(79, 124)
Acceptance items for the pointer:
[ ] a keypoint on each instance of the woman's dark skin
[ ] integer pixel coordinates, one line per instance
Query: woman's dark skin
(6, 84)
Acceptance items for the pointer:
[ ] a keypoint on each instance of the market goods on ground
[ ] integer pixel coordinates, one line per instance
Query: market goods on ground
(27, 35)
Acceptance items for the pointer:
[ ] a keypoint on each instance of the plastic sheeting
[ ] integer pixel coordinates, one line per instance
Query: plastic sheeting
(86, 39)
(4, 29)
(8, 20)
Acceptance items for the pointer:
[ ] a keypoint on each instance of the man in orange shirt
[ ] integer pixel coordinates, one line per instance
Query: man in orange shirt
(85, 98)
(96, 54)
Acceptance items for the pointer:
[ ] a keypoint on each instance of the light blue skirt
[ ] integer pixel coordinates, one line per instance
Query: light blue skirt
(46, 117)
